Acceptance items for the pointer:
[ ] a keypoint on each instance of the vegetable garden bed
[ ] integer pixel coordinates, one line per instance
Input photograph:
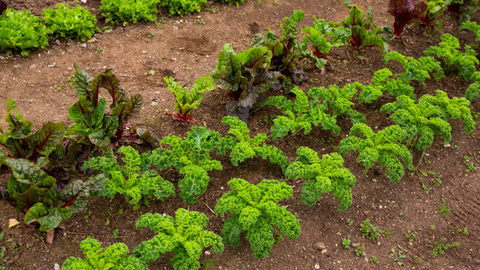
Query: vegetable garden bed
(434, 202)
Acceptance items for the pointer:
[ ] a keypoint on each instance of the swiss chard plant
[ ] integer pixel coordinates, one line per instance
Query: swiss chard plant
(299, 115)
(113, 257)
(287, 52)
(3, 7)
(134, 180)
(453, 59)
(128, 11)
(22, 142)
(383, 83)
(40, 197)
(184, 235)
(405, 12)
(188, 100)
(419, 121)
(182, 7)
(21, 31)
(472, 26)
(383, 146)
(243, 146)
(69, 23)
(338, 101)
(466, 8)
(255, 210)
(473, 91)
(326, 175)
(191, 157)
(244, 77)
(364, 33)
(324, 36)
(92, 123)
(429, 17)
(417, 69)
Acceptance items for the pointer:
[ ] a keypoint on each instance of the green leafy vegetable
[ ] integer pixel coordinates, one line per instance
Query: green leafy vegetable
(21, 31)
(416, 69)
(383, 83)
(185, 236)
(453, 59)
(69, 23)
(430, 18)
(129, 11)
(187, 101)
(133, 180)
(466, 8)
(473, 91)
(255, 210)
(383, 146)
(300, 114)
(472, 26)
(113, 257)
(326, 175)
(182, 7)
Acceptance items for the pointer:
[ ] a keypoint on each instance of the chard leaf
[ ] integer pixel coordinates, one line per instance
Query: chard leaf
(46, 139)
(83, 82)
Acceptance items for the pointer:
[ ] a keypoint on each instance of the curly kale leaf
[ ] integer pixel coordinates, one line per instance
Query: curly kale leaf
(455, 108)
(473, 91)
(300, 114)
(77, 22)
(129, 180)
(472, 26)
(255, 210)
(185, 235)
(383, 146)
(416, 69)
(113, 257)
(246, 147)
(326, 175)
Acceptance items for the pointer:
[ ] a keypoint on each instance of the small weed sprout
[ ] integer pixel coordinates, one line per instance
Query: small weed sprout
(115, 233)
(470, 165)
(346, 243)
(373, 259)
(401, 255)
(440, 247)
(369, 231)
(444, 209)
(360, 251)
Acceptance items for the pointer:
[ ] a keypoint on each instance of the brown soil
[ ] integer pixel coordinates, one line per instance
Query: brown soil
(179, 44)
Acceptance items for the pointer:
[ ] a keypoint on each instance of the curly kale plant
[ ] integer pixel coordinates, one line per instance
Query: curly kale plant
(419, 121)
(453, 59)
(41, 198)
(473, 91)
(416, 69)
(383, 146)
(133, 180)
(244, 147)
(255, 210)
(455, 108)
(472, 26)
(92, 123)
(182, 7)
(327, 175)
(187, 101)
(383, 83)
(191, 157)
(185, 235)
(129, 11)
(299, 115)
(21, 31)
(244, 77)
(337, 101)
(113, 257)
(287, 52)
(69, 23)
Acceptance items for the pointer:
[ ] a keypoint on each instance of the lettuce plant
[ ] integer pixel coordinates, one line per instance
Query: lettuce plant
(69, 23)
(383, 146)
(191, 157)
(21, 31)
(405, 12)
(419, 121)
(337, 101)
(364, 33)
(36, 146)
(472, 26)
(133, 180)
(185, 235)
(39, 197)
(287, 52)
(326, 175)
(244, 77)
(182, 7)
(417, 69)
(429, 17)
(243, 146)
(92, 123)
(129, 11)
(454, 59)
(113, 257)
(187, 101)
(255, 210)
(383, 83)
(299, 115)
(473, 91)
(318, 34)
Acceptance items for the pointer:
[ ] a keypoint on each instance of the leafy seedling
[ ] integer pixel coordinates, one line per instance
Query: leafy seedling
(401, 255)
(346, 243)
(444, 209)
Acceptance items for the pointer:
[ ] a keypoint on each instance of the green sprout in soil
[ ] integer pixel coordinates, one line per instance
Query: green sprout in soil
(464, 231)
(115, 233)
(470, 165)
(440, 247)
(369, 231)
(346, 243)
(360, 251)
(151, 35)
(417, 259)
(444, 209)
(373, 259)
(401, 255)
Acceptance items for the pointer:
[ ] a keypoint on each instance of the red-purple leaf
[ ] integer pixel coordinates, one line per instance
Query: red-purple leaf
(405, 11)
